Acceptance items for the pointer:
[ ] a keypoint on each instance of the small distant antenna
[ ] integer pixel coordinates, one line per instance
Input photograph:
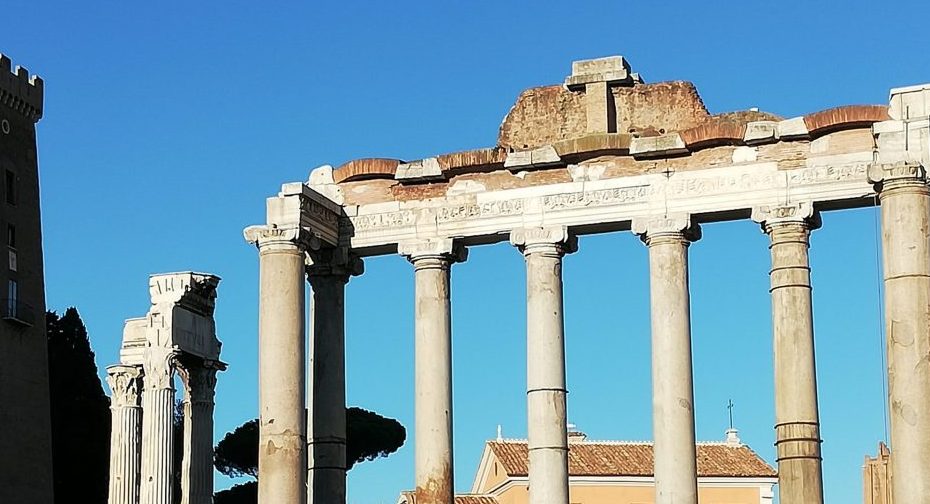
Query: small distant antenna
(500, 430)
(730, 410)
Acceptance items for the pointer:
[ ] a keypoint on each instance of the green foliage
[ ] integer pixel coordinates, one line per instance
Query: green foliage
(368, 437)
(80, 412)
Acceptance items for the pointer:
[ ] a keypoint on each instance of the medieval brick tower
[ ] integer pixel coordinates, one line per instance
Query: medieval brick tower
(25, 431)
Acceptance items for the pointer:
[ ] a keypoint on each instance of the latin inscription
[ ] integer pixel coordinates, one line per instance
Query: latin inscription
(596, 198)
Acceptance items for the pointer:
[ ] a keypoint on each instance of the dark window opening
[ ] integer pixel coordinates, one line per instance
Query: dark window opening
(10, 187)
(11, 235)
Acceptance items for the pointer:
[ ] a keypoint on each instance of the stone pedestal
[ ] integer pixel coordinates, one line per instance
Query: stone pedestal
(547, 433)
(158, 427)
(672, 386)
(197, 462)
(433, 424)
(905, 217)
(126, 433)
(797, 421)
(282, 455)
(326, 477)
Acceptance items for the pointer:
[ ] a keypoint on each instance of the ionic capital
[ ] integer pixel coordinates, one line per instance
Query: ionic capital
(333, 262)
(802, 214)
(433, 253)
(653, 230)
(270, 238)
(552, 240)
(897, 175)
(199, 382)
(125, 385)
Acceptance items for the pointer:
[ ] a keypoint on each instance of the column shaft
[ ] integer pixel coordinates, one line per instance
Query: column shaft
(158, 437)
(327, 412)
(282, 456)
(433, 394)
(905, 217)
(797, 422)
(125, 435)
(545, 376)
(197, 462)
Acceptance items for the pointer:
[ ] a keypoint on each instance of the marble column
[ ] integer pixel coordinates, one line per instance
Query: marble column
(432, 261)
(197, 462)
(282, 455)
(125, 434)
(158, 426)
(905, 217)
(797, 421)
(672, 382)
(328, 274)
(547, 433)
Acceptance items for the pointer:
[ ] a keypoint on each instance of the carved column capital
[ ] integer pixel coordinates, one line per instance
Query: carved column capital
(801, 214)
(438, 253)
(199, 382)
(891, 176)
(333, 262)
(654, 230)
(159, 366)
(270, 238)
(553, 241)
(125, 385)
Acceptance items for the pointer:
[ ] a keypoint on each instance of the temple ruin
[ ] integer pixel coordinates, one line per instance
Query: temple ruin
(601, 152)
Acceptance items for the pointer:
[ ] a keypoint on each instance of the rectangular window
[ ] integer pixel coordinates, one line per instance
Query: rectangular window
(10, 187)
(11, 236)
(13, 293)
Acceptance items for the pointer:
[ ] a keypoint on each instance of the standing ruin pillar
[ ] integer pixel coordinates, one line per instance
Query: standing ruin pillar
(326, 475)
(158, 426)
(905, 217)
(282, 454)
(125, 434)
(797, 421)
(547, 429)
(432, 261)
(672, 382)
(197, 462)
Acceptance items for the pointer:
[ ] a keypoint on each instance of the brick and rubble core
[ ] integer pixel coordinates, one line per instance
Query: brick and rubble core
(604, 111)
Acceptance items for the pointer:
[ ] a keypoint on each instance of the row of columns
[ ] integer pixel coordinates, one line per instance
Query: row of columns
(905, 202)
(142, 439)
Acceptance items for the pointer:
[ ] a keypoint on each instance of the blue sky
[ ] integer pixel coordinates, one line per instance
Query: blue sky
(167, 124)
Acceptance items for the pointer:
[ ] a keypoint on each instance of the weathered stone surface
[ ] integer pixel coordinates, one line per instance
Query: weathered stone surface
(911, 102)
(655, 146)
(612, 69)
(537, 158)
(419, 171)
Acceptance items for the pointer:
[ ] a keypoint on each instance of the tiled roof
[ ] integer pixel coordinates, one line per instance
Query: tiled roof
(594, 458)
(410, 498)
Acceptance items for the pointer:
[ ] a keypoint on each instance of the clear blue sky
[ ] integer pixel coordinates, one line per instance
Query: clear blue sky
(168, 123)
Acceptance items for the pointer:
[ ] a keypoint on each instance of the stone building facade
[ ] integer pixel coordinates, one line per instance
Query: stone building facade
(25, 423)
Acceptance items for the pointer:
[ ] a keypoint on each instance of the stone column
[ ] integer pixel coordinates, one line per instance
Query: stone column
(282, 455)
(328, 274)
(158, 426)
(672, 387)
(432, 261)
(125, 434)
(197, 463)
(797, 421)
(547, 433)
(905, 217)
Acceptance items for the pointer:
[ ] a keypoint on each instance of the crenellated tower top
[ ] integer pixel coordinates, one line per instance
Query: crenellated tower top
(20, 91)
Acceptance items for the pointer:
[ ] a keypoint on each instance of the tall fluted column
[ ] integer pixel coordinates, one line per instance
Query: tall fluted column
(797, 421)
(547, 433)
(672, 382)
(282, 455)
(905, 216)
(197, 463)
(432, 261)
(158, 426)
(328, 275)
(125, 434)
